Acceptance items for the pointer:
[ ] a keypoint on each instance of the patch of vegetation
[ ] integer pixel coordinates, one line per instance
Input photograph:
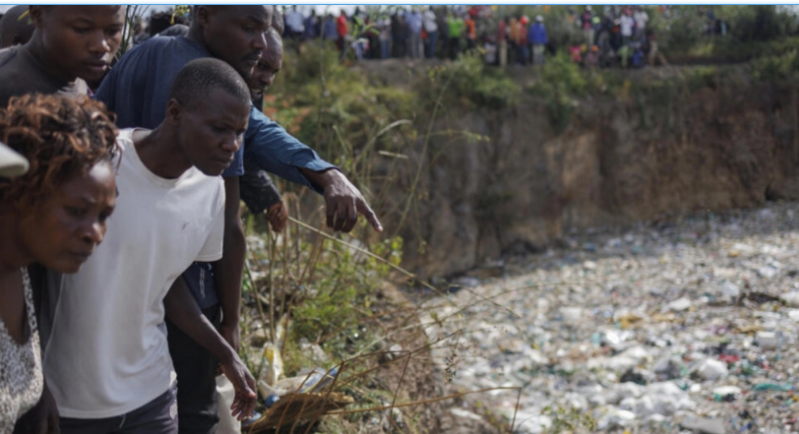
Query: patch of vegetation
(484, 87)
(561, 83)
(568, 421)
(776, 68)
(467, 84)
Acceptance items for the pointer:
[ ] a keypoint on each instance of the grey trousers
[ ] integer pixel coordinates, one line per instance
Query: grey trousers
(159, 416)
(415, 42)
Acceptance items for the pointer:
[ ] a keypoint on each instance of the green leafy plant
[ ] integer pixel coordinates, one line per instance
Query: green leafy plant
(778, 67)
(560, 84)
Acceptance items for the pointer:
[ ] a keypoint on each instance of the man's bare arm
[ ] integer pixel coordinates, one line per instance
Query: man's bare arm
(228, 270)
(182, 310)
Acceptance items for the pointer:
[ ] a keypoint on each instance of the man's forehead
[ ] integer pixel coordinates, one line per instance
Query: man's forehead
(273, 60)
(273, 47)
(218, 103)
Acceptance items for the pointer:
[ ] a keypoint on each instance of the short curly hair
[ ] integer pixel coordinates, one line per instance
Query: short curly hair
(61, 137)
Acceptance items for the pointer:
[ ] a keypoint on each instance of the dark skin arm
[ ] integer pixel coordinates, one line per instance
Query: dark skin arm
(342, 200)
(183, 311)
(343, 203)
(228, 270)
(277, 215)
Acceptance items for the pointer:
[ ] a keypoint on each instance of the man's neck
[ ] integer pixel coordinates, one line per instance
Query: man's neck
(160, 153)
(196, 34)
(36, 48)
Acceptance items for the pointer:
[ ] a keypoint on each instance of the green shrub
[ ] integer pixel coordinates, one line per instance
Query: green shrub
(560, 84)
(779, 67)
(761, 23)
(469, 83)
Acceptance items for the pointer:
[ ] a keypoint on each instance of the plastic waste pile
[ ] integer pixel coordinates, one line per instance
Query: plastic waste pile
(688, 326)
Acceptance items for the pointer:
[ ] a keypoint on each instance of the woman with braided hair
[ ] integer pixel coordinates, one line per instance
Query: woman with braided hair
(54, 216)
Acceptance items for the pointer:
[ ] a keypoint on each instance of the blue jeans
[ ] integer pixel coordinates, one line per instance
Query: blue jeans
(358, 47)
(432, 38)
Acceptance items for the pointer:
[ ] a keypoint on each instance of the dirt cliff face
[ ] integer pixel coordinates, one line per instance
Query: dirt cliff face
(616, 162)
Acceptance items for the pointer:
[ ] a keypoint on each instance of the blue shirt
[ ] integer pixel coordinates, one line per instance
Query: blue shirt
(537, 34)
(329, 29)
(310, 27)
(137, 90)
(415, 22)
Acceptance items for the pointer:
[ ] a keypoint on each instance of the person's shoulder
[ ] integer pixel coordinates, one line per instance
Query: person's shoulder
(15, 75)
(258, 118)
(125, 136)
(6, 54)
(175, 30)
(10, 61)
(159, 41)
(155, 44)
(133, 56)
(124, 142)
(156, 52)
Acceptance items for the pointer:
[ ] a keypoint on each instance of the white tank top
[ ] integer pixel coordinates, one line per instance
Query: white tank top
(21, 380)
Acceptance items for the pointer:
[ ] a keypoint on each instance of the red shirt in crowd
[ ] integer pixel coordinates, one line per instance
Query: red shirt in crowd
(341, 25)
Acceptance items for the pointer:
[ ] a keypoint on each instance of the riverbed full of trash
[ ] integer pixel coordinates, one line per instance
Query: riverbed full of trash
(682, 326)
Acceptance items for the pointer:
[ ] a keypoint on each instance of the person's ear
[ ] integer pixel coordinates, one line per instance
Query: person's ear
(174, 112)
(37, 15)
(203, 15)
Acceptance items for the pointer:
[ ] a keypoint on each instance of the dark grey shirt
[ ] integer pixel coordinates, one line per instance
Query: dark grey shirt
(21, 73)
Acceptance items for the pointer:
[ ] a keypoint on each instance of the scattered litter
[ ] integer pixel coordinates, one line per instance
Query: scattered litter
(687, 327)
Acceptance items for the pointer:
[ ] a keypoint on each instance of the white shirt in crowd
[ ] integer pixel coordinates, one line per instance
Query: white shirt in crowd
(108, 353)
(430, 24)
(641, 18)
(294, 20)
(626, 23)
(490, 53)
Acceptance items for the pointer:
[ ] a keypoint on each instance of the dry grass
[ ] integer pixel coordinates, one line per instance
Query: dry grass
(368, 382)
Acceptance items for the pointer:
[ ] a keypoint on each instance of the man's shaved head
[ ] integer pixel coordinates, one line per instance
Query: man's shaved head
(201, 76)
(14, 31)
(274, 41)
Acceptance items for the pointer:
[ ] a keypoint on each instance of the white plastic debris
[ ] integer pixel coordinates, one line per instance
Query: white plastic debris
(679, 305)
(767, 340)
(710, 369)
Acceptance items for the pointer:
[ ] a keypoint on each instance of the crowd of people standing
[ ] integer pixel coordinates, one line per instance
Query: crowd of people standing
(418, 32)
(618, 35)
